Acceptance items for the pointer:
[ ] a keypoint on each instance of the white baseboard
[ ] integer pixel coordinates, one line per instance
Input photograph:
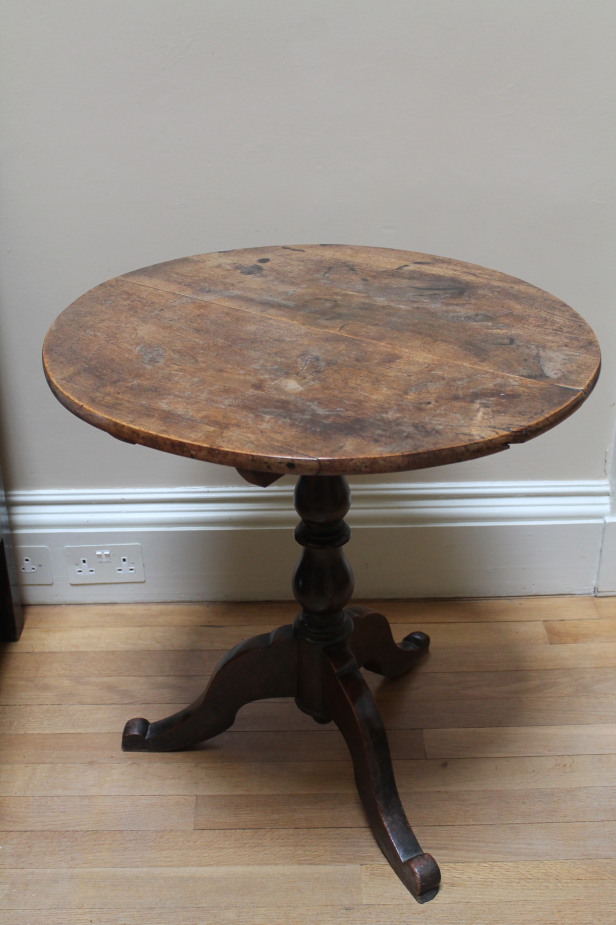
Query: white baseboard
(422, 540)
(606, 582)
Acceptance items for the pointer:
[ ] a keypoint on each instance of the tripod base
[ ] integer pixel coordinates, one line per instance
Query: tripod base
(327, 684)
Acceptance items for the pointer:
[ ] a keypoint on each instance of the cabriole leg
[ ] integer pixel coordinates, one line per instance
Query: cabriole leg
(354, 712)
(264, 666)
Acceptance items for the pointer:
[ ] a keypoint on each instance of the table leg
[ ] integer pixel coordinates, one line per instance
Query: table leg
(264, 666)
(355, 713)
(374, 647)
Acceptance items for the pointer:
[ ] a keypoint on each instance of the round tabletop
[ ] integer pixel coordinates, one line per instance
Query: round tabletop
(321, 359)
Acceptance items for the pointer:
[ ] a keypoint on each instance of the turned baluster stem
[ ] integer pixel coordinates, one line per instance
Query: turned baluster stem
(322, 583)
(323, 580)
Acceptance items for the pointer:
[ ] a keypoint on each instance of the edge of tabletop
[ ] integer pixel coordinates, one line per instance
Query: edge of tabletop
(297, 463)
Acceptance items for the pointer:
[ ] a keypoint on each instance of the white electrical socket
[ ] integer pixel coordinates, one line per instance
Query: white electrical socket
(104, 564)
(34, 565)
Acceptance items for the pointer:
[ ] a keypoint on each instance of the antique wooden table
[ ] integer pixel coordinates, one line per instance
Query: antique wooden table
(320, 361)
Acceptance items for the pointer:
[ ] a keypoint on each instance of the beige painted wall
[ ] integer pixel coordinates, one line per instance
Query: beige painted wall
(140, 130)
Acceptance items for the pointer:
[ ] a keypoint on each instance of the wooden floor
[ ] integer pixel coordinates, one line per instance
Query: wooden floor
(506, 765)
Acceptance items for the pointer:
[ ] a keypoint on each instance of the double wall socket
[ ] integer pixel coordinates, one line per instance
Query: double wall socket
(105, 564)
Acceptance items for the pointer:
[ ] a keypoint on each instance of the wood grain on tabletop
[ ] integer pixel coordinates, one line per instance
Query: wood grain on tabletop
(324, 359)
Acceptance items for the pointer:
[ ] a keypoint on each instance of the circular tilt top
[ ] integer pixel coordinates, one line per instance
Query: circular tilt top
(321, 359)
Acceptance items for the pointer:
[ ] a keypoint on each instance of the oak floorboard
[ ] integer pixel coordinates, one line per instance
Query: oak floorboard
(605, 607)
(229, 915)
(316, 913)
(107, 665)
(207, 613)
(164, 848)
(176, 888)
(275, 745)
(330, 810)
(541, 882)
(252, 613)
(439, 807)
(515, 655)
(529, 740)
(182, 663)
(419, 686)
(273, 715)
(193, 773)
(97, 813)
(131, 638)
(571, 632)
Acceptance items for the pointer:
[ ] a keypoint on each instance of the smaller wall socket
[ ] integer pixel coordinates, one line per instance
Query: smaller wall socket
(34, 565)
(104, 564)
